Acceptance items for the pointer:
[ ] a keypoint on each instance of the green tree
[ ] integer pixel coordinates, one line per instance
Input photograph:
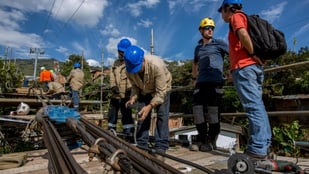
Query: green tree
(10, 77)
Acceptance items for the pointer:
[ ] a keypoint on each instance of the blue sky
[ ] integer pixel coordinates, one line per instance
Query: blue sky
(64, 27)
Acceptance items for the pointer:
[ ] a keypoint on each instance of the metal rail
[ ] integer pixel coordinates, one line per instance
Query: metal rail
(141, 160)
(60, 157)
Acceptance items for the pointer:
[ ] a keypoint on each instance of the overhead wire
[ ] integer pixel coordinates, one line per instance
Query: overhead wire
(48, 17)
(70, 18)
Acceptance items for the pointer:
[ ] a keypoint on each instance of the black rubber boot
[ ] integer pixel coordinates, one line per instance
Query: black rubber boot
(202, 132)
(214, 130)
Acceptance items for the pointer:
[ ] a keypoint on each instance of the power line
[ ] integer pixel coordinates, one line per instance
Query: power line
(65, 24)
(48, 17)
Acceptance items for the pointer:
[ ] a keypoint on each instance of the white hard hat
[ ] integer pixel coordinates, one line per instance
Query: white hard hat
(23, 109)
(42, 68)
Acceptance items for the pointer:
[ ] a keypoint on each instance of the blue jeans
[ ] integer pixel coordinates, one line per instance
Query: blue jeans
(162, 130)
(75, 99)
(248, 82)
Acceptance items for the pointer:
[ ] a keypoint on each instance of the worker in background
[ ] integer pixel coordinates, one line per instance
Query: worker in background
(207, 76)
(54, 75)
(45, 77)
(121, 90)
(151, 86)
(56, 89)
(76, 80)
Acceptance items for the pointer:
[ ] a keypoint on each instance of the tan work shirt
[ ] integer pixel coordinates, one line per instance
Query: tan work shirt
(55, 88)
(157, 80)
(118, 77)
(76, 79)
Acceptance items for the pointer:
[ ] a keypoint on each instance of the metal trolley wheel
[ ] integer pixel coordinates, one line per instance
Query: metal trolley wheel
(240, 164)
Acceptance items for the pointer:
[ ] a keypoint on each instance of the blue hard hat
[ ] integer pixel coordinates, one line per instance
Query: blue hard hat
(76, 65)
(133, 58)
(123, 44)
(228, 2)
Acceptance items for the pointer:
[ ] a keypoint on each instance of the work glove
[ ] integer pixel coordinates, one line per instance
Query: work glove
(115, 89)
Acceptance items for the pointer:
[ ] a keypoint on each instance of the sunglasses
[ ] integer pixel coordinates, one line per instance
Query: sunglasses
(208, 28)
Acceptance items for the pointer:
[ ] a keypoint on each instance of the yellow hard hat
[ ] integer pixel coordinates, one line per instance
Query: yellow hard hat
(207, 22)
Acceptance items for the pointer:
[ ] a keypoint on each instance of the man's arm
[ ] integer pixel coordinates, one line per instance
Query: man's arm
(245, 40)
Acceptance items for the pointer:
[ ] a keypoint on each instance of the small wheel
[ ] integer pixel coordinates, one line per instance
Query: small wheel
(240, 164)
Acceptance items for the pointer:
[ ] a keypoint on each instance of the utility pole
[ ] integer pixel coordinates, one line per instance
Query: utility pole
(102, 79)
(151, 43)
(82, 62)
(5, 56)
(37, 52)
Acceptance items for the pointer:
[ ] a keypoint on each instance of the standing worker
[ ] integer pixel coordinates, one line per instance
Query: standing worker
(121, 89)
(45, 77)
(151, 85)
(248, 76)
(207, 76)
(76, 80)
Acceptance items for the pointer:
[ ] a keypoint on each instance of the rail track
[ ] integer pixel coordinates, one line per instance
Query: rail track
(117, 155)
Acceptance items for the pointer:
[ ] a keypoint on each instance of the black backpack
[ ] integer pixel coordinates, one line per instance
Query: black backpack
(268, 42)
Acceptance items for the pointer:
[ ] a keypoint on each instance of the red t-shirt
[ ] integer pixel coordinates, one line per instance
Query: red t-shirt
(239, 57)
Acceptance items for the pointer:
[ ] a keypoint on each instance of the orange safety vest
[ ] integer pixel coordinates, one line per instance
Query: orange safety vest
(46, 75)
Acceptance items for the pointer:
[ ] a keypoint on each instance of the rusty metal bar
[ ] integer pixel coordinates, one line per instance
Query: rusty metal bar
(60, 157)
(101, 146)
(145, 160)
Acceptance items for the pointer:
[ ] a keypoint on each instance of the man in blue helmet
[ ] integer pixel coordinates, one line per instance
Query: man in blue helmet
(151, 85)
(248, 75)
(76, 80)
(121, 89)
(207, 76)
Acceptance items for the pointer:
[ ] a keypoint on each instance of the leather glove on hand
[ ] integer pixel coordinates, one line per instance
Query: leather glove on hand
(115, 89)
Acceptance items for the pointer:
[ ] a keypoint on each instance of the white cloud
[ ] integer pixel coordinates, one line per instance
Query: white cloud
(11, 36)
(145, 23)
(274, 12)
(62, 49)
(136, 8)
(189, 6)
(303, 30)
(17, 39)
(92, 62)
(10, 20)
(84, 12)
(110, 30)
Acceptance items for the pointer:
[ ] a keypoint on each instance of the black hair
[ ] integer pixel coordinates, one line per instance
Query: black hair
(232, 7)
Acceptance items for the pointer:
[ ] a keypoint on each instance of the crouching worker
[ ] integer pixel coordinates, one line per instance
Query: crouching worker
(55, 89)
(151, 85)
